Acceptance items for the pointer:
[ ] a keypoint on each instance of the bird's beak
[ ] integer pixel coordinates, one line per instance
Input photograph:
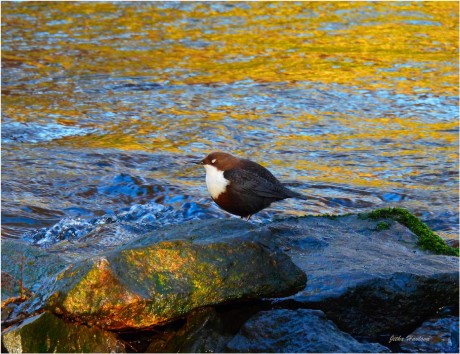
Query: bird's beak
(199, 162)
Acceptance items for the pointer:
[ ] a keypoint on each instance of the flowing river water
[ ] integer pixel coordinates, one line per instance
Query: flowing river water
(106, 107)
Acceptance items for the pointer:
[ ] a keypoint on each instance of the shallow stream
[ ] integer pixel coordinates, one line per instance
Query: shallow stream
(105, 107)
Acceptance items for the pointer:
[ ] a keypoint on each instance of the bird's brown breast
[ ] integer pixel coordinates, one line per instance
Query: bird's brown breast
(241, 204)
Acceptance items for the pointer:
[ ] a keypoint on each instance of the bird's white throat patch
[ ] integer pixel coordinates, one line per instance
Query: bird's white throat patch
(215, 181)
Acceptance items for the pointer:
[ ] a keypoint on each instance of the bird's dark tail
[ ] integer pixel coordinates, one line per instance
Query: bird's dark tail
(293, 194)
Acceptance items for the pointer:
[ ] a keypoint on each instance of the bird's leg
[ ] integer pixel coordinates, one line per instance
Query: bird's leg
(248, 217)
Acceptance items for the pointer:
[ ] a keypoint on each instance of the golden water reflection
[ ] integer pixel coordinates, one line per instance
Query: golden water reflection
(363, 94)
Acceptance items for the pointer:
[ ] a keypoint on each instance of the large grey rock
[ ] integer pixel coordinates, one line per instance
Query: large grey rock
(165, 275)
(368, 280)
(299, 331)
(46, 333)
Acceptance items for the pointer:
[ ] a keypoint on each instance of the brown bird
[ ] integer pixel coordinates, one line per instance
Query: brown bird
(242, 187)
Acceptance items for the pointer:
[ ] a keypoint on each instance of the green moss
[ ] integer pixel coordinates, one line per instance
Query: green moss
(427, 239)
(330, 216)
(334, 216)
(382, 225)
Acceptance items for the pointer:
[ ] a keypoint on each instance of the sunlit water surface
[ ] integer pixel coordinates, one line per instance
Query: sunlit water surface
(106, 107)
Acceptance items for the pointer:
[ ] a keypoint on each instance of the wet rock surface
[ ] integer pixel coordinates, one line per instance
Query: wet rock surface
(12, 288)
(46, 333)
(437, 335)
(205, 330)
(160, 277)
(298, 331)
(28, 264)
(368, 280)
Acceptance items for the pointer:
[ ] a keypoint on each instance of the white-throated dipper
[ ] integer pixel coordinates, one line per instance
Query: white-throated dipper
(242, 187)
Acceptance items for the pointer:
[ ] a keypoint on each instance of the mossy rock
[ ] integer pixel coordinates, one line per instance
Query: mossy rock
(382, 225)
(370, 280)
(146, 282)
(428, 240)
(46, 333)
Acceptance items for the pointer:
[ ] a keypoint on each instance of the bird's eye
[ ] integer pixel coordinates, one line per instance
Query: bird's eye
(213, 160)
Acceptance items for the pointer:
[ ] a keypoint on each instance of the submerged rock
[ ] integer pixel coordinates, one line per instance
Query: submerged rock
(368, 279)
(299, 331)
(46, 333)
(165, 275)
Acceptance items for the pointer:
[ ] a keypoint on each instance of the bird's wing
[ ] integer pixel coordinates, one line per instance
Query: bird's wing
(261, 171)
(251, 183)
